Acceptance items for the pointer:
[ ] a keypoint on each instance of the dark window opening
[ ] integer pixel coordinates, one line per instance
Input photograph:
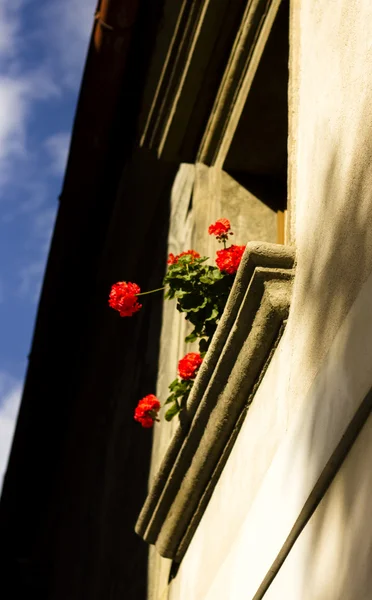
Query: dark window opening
(257, 158)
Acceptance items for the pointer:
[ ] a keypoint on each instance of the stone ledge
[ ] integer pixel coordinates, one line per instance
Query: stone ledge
(238, 355)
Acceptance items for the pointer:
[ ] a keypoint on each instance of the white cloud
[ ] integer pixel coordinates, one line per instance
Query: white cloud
(10, 394)
(17, 95)
(9, 26)
(43, 225)
(30, 277)
(10, 397)
(31, 274)
(68, 25)
(12, 116)
(57, 146)
(64, 34)
(12, 87)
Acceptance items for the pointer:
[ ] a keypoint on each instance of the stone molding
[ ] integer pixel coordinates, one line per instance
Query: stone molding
(242, 346)
(186, 57)
(249, 45)
(181, 48)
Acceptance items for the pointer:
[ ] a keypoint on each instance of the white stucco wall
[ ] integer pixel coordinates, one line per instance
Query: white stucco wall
(331, 167)
(323, 367)
(275, 465)
(332, 557)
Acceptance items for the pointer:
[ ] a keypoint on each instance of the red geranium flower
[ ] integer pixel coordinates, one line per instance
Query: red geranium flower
(220, 227)
(172, 259)
(123, 298)
(147, 410)
(189, 364)
(228, 260)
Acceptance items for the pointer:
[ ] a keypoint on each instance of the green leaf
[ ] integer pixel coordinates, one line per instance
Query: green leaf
(217, 275)
(181, 293)
(206, 279)
(192, 337)
(193, 302)
(172, 412)
(214, 314)
(212, 276)
(181, 389)
(173, 384)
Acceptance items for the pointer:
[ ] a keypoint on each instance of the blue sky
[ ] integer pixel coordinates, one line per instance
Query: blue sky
(43, 47)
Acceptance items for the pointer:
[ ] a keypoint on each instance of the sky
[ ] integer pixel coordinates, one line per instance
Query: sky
(43, 46)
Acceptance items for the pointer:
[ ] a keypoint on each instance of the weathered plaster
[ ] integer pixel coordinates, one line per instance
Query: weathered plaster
(267, 482)
(323, 371)
(332, 557)
(332, 171)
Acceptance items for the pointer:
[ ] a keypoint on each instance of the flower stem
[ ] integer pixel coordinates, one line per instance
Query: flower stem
(151, 291)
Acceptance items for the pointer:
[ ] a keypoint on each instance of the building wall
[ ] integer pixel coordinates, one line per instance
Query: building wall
(321, 373)
(199, 196)
(332, 557)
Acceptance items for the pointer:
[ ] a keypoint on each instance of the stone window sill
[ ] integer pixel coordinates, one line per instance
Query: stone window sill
(247, 335)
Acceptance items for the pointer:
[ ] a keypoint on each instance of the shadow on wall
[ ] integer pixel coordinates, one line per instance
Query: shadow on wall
(334, 260)
(106, 462)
